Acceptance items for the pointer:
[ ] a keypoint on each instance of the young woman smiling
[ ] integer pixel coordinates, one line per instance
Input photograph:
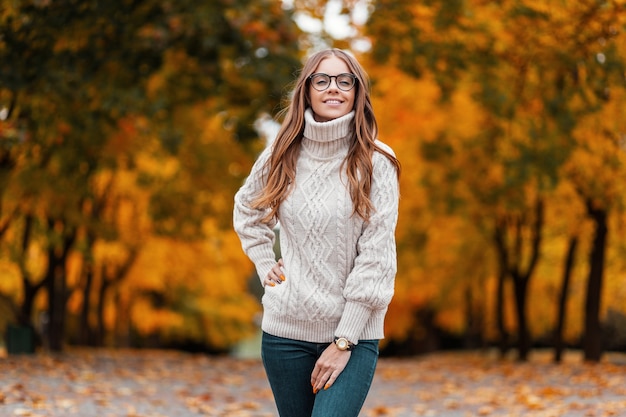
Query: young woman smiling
(333, 186)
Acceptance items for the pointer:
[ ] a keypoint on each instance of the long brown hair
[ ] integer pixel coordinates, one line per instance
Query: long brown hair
(281, 166)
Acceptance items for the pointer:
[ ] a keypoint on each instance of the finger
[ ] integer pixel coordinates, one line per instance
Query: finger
(331, 380)
(277, 274)
(274, 276)
(315, 375)
(321, 382)
(280, 271)
(317, 378)
(271, 279)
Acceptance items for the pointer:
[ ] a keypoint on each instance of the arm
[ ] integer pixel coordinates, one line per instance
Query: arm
(257, 237)
(370, 285)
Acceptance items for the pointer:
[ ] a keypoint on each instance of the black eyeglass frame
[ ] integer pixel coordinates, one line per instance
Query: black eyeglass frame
(330, 79)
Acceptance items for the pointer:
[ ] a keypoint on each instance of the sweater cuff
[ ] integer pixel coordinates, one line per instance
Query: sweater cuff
(355, 317)
(264, 260)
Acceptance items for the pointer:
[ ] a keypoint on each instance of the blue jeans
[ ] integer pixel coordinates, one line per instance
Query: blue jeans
(289, 364)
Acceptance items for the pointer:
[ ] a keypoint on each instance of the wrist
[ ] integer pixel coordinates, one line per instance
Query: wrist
(343, 344)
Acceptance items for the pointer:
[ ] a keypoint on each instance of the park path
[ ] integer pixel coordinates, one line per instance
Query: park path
(148, 383)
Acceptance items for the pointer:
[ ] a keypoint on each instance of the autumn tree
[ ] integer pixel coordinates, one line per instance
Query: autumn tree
(522, 63)
(77, 71)
(597, 172)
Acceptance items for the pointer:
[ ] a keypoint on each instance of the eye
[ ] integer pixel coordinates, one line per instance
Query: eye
(320, 80)
(345, 81)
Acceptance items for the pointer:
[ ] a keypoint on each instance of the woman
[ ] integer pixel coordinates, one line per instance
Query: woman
(334, 188)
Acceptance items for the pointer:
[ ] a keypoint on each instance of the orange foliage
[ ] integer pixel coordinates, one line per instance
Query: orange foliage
(180, 289)
(458, 153)
(475, 143)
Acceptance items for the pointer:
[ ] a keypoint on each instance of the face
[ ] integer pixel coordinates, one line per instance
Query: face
(332, 102)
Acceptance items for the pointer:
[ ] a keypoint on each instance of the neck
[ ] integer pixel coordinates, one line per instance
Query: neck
(327, 139)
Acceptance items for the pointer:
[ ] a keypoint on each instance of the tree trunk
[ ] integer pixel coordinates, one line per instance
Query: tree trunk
(512, 265)
(473, 337)
(107, 282)
(592, 339)
(30, 291)
(503, 261)
(521, 279)
(56, 280)
(100, 308)
(503, 342)
(86, 331)
(122, 331)
(523, 335)
(559, 344)
(89, 335)
(26, 309)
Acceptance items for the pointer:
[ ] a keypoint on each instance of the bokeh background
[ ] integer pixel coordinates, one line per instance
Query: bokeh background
(126, 127)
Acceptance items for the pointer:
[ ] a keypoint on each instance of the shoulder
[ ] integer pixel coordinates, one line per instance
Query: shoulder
(384, 147)
(379, 159)
(266, 153)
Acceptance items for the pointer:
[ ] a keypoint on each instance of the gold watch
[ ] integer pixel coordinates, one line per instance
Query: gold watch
(343, 344)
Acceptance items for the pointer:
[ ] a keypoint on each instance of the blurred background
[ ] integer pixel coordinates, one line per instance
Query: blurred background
(126, 127)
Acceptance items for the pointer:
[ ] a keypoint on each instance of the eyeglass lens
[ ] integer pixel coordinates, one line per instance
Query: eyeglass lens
(322, 81)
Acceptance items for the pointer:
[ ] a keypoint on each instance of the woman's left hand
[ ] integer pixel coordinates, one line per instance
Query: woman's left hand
(328, 367)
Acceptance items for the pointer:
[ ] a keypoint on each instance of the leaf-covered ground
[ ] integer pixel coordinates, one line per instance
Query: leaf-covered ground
(131, 383)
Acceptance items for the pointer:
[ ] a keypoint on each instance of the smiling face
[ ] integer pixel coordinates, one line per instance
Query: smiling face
(332, 102)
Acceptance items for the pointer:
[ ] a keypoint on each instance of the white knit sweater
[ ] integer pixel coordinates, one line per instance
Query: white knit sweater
(339, 270)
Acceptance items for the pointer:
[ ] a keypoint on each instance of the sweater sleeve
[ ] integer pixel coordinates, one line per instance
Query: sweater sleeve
(257, 237)
(370, 285)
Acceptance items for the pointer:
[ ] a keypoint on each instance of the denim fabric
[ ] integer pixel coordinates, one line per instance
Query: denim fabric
(289, 365)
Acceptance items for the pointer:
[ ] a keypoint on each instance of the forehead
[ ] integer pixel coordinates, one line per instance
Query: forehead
(332, 66)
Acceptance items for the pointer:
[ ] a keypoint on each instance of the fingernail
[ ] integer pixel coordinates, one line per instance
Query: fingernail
(282, 277)
(326, 387)
(272, 284)
(315, 390)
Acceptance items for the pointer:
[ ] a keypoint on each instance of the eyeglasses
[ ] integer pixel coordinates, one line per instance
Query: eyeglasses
(321, 81)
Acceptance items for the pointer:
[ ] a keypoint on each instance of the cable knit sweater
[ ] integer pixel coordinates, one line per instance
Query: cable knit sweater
(339, 270)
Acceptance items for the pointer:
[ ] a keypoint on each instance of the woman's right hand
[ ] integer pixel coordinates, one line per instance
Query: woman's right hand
(276, 274)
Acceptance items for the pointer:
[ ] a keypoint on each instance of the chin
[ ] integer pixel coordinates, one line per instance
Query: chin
(326, 117)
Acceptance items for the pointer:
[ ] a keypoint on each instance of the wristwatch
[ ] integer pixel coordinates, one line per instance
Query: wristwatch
(343, 344)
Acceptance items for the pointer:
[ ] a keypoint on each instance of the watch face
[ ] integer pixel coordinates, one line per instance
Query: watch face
(342, 344)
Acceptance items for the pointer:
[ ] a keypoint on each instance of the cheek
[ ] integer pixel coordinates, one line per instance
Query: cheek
(311, 94)
(353, 101)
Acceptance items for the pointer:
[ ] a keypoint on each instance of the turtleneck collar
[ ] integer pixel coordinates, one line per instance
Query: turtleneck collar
(327, 139)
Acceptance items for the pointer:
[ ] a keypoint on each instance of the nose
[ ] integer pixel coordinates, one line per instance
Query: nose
(333, 80)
